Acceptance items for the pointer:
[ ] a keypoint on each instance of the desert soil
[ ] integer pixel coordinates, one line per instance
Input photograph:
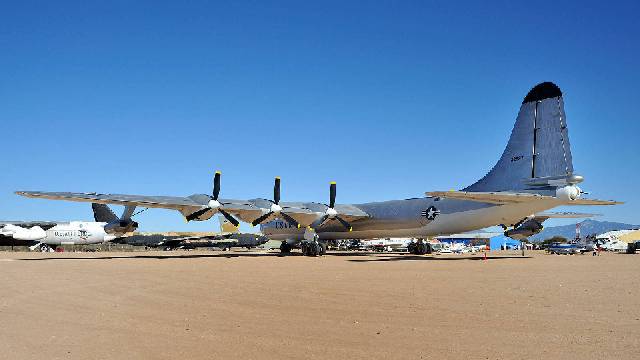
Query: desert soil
(253, 305)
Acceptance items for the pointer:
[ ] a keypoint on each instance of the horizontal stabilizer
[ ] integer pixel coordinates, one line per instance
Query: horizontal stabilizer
(490, 197)
(564, 215)
(594, 202)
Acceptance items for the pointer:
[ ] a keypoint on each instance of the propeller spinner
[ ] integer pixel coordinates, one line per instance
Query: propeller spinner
(213, 204)
(331, 213)
(275, 208)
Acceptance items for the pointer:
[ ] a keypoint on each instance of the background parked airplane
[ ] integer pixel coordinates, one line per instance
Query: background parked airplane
(47, 235)
(535, 173)
(228, 237)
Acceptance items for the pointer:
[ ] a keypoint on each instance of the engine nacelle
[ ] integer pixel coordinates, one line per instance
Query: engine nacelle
(120, 227)
(525, 230)
(568, 193)
(20, 233)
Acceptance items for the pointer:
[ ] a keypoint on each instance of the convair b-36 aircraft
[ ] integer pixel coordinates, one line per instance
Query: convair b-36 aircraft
(535, 173)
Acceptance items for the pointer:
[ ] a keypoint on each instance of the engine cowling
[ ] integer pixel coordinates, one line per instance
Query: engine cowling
(568, 193)
(524, 230)
(20, 233)
(121, 227)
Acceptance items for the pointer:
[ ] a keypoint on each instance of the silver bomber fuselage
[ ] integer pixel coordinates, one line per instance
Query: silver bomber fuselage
(404, 218)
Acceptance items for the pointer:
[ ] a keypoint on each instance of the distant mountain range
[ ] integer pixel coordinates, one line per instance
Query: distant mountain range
(587, 227)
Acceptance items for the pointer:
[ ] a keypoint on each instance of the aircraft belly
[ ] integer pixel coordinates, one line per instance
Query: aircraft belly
(481, 218)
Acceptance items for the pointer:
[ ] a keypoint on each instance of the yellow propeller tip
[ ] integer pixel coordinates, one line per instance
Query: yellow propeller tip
(277, 177)
(298, 226)
(332, 183)
(350, 229)
(218, 172)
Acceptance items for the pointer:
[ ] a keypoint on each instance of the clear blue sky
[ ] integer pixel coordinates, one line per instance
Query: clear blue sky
(389, 99)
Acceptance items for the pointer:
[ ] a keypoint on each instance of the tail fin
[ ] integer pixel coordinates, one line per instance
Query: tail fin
(102, 213)
(538, 154)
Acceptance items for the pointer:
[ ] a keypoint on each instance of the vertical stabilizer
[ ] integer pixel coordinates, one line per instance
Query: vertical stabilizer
(102, 213)
(538, 151)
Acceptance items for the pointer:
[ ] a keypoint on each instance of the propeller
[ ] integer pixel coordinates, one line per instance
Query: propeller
(331, 213)
(276, 209)
(213, 204)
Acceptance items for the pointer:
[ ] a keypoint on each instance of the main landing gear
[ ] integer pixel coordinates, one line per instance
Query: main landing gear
(419, 248)
(313, 248)
(285, 248)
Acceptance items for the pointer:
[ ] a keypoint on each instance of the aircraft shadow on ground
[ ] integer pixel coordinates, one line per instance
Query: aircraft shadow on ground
(370, 256)
(169, 255)
(434, 258)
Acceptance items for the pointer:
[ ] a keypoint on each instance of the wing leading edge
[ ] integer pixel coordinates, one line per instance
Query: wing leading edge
(245, 210)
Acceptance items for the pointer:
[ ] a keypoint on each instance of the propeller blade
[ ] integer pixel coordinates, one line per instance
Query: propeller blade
(319, 222)
(261, 218)
(290, 220)
(332, 194)
(276, 190)
(344, 223)
(216, 185)
(229, 217)
(197, 214)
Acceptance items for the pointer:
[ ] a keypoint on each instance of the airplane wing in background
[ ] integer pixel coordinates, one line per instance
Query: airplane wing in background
(45, 225)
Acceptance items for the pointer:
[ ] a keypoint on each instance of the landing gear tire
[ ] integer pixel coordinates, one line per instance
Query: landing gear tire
(285, 248)
(312, 249)
(419, 248)
(323, 249)
(45, 248)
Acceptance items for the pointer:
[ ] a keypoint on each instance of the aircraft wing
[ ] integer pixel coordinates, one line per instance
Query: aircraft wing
(245, 210)
(490, 197)
(45, 225)
(163, 202)
(186, 205)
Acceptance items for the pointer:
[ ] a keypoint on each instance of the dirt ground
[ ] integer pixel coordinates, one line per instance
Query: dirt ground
(252, 305)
